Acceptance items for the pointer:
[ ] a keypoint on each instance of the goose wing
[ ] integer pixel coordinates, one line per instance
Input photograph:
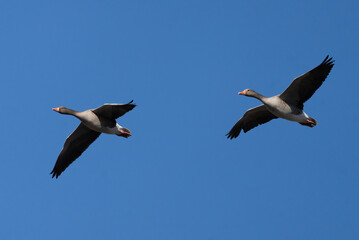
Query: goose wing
(74, 146)
(251, 119)
(114, 110)
(304, 86)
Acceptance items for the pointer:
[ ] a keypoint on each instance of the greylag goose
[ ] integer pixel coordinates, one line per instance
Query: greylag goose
(93, 123)
(288, 105)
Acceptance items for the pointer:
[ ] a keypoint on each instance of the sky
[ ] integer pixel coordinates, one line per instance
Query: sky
(178, 177)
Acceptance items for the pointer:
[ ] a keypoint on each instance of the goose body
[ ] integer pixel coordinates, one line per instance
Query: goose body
(288, 105)
(93, 123)
(98, 123)
(281, 109)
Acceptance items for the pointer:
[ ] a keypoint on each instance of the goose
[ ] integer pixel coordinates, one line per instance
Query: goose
(288, 105)
(93, 123)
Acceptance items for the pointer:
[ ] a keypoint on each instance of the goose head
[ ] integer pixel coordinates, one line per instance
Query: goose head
(251, 93)
(248, 92)
(60, 109)
(64, 110)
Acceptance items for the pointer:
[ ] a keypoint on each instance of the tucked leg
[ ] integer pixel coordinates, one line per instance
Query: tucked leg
(310, 122)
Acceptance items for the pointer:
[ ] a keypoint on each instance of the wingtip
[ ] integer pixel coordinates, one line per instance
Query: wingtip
(328, 61)
(131, 103)
(231, 136)
(54, 174)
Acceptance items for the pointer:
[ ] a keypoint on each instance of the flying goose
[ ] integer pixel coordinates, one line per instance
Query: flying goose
(93, 123)
(288, 105)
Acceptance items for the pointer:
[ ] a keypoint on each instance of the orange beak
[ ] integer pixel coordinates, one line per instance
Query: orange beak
(56, 109)
(242, 93)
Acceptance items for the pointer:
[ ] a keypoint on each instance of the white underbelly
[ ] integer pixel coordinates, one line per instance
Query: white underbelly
(113, 130)
(294, 117)
(98, 128)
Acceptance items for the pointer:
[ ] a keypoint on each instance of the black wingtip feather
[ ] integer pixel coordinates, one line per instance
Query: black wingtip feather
(132, 104)
(55, 174)
(328, 61)
(232, 134)
(326, 58)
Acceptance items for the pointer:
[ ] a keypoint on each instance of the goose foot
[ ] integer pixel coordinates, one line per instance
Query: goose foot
(124, 132)
(309, 123)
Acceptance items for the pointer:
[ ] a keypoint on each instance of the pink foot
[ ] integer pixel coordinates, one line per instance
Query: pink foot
(124, 132)
(309, 123)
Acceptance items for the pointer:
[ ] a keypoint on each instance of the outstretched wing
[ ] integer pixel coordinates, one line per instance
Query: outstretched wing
(251, 119)
(304, 86)
(74, 146)
(114, 110)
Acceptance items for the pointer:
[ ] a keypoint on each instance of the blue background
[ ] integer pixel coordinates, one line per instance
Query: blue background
(178, 177)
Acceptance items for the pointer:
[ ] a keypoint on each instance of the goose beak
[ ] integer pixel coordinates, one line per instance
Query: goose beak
(56, 109)
(242, 93)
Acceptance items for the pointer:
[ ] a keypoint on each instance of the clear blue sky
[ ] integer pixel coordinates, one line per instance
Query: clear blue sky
(178, 177)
